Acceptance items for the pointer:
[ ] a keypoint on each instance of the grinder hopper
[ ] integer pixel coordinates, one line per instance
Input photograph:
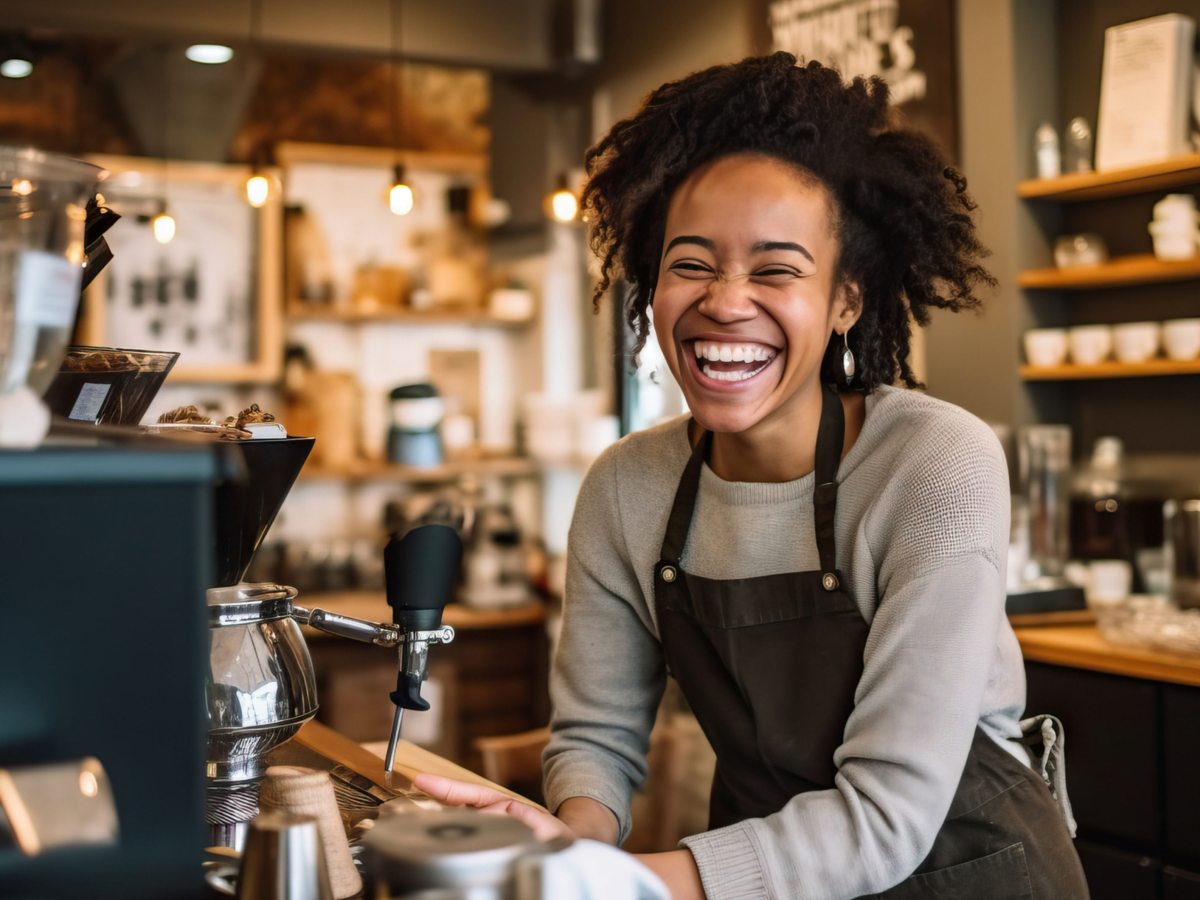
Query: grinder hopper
(247, 505)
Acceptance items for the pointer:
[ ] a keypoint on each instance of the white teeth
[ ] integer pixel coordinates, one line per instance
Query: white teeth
(716, 375)
(720, 351)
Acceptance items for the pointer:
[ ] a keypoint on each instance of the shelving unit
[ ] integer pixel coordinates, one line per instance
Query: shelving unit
(1149, 368)
(400, 316)
(1077, 187)
(366, 471)
(1122, 271)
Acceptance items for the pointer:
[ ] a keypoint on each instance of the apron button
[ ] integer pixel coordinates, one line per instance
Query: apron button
(668, 574)
(829, 581)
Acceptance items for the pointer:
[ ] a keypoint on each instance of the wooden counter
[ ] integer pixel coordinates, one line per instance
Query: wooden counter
(411, 760)
(1082, 647)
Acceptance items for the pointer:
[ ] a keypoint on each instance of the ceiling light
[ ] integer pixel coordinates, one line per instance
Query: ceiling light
(400, 195)
(258, 189)
(562, 205)
(16, 67)
(209, 54)
(163, 225)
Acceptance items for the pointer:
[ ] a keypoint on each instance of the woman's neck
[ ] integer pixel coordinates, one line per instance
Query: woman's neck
(782, 448)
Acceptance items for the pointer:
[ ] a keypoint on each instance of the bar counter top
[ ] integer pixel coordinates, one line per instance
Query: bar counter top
(1082, 647)
(410, 761)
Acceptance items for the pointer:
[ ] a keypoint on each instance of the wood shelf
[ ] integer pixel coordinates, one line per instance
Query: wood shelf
(1082, 647)
(400, 317)
(1110, 370)
(372, 606)
(1120, 271)
(500, 466)
(1171, 173)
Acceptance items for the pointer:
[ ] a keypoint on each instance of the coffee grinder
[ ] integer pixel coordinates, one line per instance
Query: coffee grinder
(261, 687)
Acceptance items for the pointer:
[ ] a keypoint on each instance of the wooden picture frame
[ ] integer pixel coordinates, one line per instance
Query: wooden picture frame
(233, 259)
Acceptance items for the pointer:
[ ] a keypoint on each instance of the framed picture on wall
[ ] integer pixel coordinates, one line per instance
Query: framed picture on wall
(213, 292)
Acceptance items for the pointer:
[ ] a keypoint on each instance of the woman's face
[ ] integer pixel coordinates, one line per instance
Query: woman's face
(745, 300)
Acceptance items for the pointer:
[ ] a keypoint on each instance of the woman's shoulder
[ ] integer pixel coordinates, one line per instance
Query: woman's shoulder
(916, 421)
(641, 466)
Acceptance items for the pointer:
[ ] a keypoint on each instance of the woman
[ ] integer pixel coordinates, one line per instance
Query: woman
(816, 556)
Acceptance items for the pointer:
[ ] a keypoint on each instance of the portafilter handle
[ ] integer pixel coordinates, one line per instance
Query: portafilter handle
(348, 626)
(420, 570)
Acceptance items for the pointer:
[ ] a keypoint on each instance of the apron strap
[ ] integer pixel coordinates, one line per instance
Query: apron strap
(685, 502)
(830, 436)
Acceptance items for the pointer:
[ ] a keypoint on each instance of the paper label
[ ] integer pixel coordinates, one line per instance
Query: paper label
(47, 289)
(89, 403)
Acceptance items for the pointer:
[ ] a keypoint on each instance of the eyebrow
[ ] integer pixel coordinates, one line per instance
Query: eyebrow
(758, 247)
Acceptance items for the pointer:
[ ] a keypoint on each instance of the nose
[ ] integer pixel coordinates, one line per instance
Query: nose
(728, 300)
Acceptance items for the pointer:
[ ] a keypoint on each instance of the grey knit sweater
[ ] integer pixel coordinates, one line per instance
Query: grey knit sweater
(922, 531)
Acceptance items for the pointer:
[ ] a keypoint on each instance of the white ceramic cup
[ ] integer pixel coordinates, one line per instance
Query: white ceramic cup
(1176, 207)
(1181, 338)
(1046, 346)
(1089, 344)
(1136, 342)
(1174, 239)
(1109, 580)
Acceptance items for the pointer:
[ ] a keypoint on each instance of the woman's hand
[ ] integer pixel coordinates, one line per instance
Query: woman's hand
(462, 793)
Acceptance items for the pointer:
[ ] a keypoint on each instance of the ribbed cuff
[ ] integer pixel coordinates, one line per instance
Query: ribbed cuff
(729, 864)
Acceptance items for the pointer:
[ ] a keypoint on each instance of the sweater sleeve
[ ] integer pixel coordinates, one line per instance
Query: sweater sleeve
(941, 530)
(608, 672)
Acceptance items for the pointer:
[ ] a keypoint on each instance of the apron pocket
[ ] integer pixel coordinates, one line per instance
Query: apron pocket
(1003, 875)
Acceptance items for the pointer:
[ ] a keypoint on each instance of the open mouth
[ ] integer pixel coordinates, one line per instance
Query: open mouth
(732, 362)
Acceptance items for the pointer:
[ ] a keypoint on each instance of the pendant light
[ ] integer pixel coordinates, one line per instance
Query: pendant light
(561, 204)
(401, 198)
(162, 224)
(258, 185)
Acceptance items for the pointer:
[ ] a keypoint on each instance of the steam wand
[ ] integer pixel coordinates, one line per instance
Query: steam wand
(420, 570)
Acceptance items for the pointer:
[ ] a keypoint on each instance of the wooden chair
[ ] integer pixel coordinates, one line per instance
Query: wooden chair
(514, 761)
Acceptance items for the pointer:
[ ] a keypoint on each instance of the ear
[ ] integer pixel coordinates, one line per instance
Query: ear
(847, 306)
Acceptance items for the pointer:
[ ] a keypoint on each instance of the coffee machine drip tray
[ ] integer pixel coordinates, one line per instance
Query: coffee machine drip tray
(229, 807)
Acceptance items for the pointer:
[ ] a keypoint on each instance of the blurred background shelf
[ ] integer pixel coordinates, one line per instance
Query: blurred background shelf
(372, 606)
(1176, 172)
(1143, 268)
(499, 466)
(1111, 370)
(399, 316)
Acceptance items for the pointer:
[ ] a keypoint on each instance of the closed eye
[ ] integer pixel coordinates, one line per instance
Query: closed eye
(688, 269)
(776, 274)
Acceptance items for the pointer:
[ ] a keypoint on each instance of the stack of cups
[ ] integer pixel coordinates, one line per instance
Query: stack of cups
(1174, 227)
(303, 792)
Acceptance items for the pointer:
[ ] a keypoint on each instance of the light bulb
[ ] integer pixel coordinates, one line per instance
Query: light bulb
(401, 199)
(16, 68)
(258, 188)
(164, 227)
(209, 54)
(22, 186)
(563, 205)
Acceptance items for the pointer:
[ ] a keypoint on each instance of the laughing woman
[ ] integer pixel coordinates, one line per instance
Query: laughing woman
(815, 555)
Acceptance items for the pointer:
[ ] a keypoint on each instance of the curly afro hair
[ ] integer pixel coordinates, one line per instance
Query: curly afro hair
(902, 215)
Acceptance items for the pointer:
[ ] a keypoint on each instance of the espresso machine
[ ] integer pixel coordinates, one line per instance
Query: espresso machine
(261, 687)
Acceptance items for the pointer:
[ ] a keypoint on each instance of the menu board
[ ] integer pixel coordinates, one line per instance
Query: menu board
(1145, 91)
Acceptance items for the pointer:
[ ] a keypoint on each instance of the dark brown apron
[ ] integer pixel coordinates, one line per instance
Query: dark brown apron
(769, 665)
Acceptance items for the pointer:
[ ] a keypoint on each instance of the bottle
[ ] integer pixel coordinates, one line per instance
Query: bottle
(1100, 519)
(1046, 152)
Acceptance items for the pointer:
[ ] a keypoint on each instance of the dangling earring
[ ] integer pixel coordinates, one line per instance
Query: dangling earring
(847, 357)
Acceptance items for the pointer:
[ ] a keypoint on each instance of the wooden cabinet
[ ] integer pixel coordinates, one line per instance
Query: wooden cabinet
(1133, 751)
(491, 680)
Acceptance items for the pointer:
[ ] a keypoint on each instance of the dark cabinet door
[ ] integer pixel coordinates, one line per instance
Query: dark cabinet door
(1180, 885)
(1181, 748)
(1117, 875)
(1113, 749)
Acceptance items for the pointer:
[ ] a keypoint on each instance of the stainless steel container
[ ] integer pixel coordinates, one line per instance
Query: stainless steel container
(452, 854)
(261, 686)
